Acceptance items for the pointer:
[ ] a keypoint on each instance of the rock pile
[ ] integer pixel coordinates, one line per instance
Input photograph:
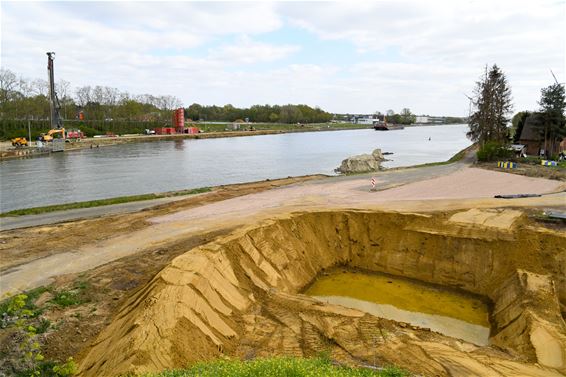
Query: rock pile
(363, 163)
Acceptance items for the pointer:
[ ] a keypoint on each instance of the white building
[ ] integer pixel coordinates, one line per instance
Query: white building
(369, 121)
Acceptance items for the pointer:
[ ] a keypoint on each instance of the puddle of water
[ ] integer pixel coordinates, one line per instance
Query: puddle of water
(448, 312)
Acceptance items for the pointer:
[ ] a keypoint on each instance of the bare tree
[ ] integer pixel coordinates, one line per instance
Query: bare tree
(170, 103)
(62, 89)
(8, 82)
(25, 87)
(40, 87)
(97, 94)
(111, 96)
(83, 95)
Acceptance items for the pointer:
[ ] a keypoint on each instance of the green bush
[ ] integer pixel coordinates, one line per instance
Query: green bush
(278, 367)
(492, 151)
(11, 128)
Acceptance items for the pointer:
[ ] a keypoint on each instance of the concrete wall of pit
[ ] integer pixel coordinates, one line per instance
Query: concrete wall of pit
(240, 296)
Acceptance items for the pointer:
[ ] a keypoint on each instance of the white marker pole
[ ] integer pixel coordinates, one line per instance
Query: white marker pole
(372, 184)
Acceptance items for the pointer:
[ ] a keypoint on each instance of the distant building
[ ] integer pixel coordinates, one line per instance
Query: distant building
(530, 137)
(422, 119)
(368, 119)
(436, 120)
(533, 139)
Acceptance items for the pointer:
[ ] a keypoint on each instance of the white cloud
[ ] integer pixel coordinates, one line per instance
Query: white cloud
(422, 55)
(445, 45)
(245, 50)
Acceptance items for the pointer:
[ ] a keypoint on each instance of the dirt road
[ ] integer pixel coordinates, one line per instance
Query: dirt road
(449, 187)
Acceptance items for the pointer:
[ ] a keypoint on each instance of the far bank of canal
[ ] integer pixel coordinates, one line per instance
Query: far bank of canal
(138, 168)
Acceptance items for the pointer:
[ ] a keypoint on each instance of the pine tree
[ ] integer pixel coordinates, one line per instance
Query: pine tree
(492, 105)
(553, 122)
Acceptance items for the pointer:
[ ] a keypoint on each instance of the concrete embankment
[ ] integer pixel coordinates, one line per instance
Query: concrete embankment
(241, 295)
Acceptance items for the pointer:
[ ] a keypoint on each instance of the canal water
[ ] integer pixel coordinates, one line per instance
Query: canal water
(159, 166)
(449, 312)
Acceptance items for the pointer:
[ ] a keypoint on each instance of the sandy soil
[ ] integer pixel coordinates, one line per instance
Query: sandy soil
(468, 183)
(240, 296)
(62, 255)
(120, 253)
(530, 170)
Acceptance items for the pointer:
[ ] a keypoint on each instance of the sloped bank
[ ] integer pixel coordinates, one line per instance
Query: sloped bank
(239, 296)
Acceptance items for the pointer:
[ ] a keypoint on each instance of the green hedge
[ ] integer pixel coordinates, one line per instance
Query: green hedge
(10, 128)
(492, 151)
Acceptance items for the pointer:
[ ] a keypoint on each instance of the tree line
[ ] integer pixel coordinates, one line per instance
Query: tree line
(492, 107)
(259, 113)
(22, 98)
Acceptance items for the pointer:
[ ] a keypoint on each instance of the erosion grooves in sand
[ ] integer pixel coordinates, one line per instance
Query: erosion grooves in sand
(241, 295)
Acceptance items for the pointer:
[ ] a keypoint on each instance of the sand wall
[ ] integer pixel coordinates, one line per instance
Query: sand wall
(239, 296)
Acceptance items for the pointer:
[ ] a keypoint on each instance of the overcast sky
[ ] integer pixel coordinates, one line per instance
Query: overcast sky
(342, 56)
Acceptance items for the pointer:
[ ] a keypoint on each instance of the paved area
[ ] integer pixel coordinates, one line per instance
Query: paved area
(387, 179)
(8, 223)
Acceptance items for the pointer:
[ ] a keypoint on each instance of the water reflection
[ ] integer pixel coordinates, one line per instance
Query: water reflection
(179, 145)
(449, 312)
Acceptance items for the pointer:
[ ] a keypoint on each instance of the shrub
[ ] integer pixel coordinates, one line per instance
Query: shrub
(491, 151)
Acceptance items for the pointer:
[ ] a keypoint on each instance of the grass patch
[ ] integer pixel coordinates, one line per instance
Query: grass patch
(66, 298)
(278, 367)
(101, 202)
(457, 157)
(71, 297)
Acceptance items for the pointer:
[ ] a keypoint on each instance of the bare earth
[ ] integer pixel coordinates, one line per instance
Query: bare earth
(120, 253)
(463, 188)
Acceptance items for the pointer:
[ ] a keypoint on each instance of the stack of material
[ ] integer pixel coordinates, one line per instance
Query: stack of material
(363, 163)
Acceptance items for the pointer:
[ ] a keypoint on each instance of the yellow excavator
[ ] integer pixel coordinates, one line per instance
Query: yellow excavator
(49, 135)
(19, 142)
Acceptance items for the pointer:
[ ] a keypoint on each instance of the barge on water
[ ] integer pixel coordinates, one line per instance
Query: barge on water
(382, 126)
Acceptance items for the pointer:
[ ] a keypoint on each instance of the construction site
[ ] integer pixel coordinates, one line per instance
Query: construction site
(233, 273)
(438, 251)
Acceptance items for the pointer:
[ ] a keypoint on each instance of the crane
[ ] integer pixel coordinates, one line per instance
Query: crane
(55, 106)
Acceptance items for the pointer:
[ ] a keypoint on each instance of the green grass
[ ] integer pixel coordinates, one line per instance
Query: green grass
(66, 298)
(100, 202)
(278, 367)
(457, 157)
(77, 295)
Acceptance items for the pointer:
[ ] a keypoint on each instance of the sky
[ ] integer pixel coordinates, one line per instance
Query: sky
(345, 57)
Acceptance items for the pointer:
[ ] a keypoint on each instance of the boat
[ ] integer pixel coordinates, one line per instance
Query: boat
(382, 126)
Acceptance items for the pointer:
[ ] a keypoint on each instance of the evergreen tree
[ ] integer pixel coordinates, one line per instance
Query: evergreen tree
(553, 122)
(492, 105)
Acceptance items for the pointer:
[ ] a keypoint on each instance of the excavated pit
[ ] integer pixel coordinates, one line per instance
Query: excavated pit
(451, 312)
(241, 296)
